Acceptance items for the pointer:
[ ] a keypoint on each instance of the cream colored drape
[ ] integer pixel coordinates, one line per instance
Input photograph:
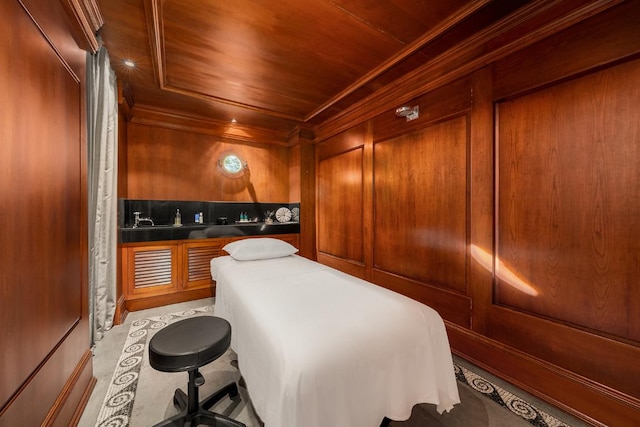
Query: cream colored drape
(102, 167)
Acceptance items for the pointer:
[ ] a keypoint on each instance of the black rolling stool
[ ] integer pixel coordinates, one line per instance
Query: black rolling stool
(185, 346)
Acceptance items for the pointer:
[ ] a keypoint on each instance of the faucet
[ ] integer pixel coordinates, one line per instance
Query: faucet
(137, 220)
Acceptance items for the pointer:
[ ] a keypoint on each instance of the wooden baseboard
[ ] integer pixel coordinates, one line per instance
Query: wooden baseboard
(72, 400)
(590, 401)
(167, 299)
(52, 393)
(75, 420)
(121, 311)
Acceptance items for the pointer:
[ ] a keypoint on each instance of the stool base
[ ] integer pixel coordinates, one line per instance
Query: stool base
(194, 413)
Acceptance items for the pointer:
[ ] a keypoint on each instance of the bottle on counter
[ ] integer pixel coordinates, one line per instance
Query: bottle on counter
(177, 222)
(201, 219)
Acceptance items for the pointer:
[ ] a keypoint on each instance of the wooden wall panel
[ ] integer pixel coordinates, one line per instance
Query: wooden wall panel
(481, 199)
(302, 188)
(294, 172)
(435, 106)
(553, 178)
(420, 187)
(592, 43)
(340, 206)
(39, 175)
(122, 153)
(46, 366)
(573, 393)
(172, 164)
(343, 200)
(607, 363)
(568, 209)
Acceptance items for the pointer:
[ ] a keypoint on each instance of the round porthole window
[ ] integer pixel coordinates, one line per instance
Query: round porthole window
(231, 164)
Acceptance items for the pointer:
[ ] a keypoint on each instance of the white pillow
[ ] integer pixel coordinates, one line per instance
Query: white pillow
(259, 248)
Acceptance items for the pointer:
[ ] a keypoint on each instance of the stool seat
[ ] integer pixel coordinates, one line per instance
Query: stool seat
(189, 343)
(186, 346)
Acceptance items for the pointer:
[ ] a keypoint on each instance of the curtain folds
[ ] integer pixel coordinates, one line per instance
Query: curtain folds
(102, 152)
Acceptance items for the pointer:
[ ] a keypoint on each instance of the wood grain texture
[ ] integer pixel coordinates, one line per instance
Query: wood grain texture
(43, 284)
(580, 351)
(340, 206)
(178, 165)
(435, 106)
(172, 271)
(567, 201)
(498, 33)
(122, 154)
(420, 187)
(162, 299)
(589, 44)
(260, 60)
(481, 198)
(576, 394)
(198, 256)
(302, 187)
(40, 261)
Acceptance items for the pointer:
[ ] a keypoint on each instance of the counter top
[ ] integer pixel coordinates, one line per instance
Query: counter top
(204, 231)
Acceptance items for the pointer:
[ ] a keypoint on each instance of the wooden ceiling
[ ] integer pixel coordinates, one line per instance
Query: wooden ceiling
(278, 64)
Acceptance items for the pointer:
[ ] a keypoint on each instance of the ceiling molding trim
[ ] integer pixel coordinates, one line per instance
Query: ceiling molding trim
(154, 16)
(158, 117)
(300, 134)
(195, 94)
(460, 61)
(84, 23)
(454, 19)
(94, 14)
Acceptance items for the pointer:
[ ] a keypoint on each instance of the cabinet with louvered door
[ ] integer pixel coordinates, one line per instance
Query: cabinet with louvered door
(197, 256)
(150, 270)
(167, 272)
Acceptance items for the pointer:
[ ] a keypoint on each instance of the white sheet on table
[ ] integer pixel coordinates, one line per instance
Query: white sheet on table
(319, 348)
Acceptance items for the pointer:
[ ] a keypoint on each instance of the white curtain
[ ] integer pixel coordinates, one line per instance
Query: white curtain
(102, 165)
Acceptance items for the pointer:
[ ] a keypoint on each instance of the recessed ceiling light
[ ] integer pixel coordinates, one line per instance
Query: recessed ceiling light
(234, 121)
(129, 63)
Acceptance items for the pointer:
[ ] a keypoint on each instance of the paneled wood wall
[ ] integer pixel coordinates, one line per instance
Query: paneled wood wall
(510, 206)
(45, 370)
(302, 188)
(164, 163)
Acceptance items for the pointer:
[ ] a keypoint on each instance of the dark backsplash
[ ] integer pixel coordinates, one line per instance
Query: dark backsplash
(163, 212)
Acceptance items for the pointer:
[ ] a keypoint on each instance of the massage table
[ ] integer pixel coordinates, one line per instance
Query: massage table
(318, 347)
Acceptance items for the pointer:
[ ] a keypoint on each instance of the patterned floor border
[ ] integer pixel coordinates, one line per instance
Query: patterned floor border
(118, 403)
(515, 404)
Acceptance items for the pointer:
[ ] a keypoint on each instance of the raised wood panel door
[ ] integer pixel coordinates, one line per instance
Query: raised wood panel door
(340, 206)
(568, 190)
(420, 187)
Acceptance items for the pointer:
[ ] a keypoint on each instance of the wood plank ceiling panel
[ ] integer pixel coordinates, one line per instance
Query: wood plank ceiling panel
(269, 64)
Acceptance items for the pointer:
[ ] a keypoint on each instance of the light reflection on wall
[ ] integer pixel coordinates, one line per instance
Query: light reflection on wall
(503, 272)
(353, 177)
